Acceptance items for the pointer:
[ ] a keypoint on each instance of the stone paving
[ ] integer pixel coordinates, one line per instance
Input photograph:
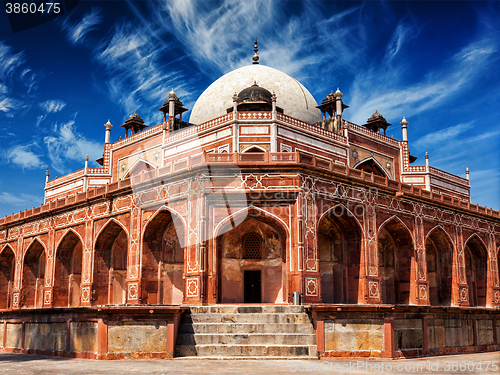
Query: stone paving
(481, 363)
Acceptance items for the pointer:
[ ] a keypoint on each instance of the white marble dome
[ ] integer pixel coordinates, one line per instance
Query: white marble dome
(295, 100)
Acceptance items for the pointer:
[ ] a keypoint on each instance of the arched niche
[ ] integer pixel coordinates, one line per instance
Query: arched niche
(339, 243)
(439, 256)
(7, 269)
(370, 165)
(396, 256)
(68, 271)
(163, 260)
(475, 269)
(244, 277)
(139, 167)
(110, 266)
(254, 149)
(33, 276)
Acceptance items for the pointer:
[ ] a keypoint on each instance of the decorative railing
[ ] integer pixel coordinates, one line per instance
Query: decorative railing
(311, 128)
(185, 133)
(448, 176)
(68, 177)
(415, 169)
(261, 115)
(154, 130)
(370, 134)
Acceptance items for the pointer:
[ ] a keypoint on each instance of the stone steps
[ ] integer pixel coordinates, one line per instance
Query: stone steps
(247, 339)
(250, 318)
(246, 350)
(248, 331)
(201, 328)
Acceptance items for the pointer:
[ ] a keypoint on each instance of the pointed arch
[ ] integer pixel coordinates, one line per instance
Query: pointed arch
(476, 257)
(7, 272)
(68, 269)
(244, 213)
(372, 165)
(254, 148)
(158, 211)
(339, 238)
(110, 264)
(439, 248)
(33, 242)
(138, 166)
(396, 260)
(65, 234)
(349, 213)
(399, 221)
(33, 275)
(471, 237)
(242, 284)
(6, 248)
(98, 233)
(440, 227)
(162, 258)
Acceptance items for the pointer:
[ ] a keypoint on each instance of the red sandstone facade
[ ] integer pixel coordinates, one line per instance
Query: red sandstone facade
(184, 214)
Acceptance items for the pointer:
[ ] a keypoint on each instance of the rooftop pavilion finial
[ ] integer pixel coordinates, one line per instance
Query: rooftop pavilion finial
(255, 57)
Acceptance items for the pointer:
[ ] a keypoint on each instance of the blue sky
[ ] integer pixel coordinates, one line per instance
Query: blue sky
(437, 63)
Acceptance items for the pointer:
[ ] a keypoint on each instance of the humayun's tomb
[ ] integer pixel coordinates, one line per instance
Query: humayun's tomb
(266, 226)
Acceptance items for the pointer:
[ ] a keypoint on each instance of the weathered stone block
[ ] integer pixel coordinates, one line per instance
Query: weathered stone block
(138, 337)
(83, 337)
(351, 334)
(45, 336)
(408, 333)
(485, 332)
(14, 335)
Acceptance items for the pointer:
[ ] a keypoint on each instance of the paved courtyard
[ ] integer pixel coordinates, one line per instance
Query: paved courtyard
(481, 363)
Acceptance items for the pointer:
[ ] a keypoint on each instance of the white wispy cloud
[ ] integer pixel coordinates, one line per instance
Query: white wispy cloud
(25, 156)
(8, 104)
(78, 31)
(9, 61)
(52, 106)
(20, 199)
(386, 90)
(441, 136)
(138, 77)
(212, 32)
(65, 144)
(10, 65)
(39, 119)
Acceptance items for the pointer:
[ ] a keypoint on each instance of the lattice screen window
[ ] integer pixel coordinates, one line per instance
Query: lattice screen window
(252, 246)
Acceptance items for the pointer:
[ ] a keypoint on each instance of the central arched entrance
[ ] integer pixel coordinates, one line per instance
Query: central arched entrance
(251, 260)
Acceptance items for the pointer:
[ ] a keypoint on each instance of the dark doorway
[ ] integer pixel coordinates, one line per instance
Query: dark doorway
(252, 286)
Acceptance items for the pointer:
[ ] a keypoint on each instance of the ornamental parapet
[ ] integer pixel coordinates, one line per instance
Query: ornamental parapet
(371, 134)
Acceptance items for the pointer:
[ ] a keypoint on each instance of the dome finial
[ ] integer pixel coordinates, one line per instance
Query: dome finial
(255, 57)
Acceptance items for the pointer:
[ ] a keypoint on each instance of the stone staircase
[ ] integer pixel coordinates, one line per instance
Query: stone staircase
(246, 331)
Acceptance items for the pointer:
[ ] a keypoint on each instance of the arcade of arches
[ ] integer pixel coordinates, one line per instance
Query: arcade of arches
(251, 262)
